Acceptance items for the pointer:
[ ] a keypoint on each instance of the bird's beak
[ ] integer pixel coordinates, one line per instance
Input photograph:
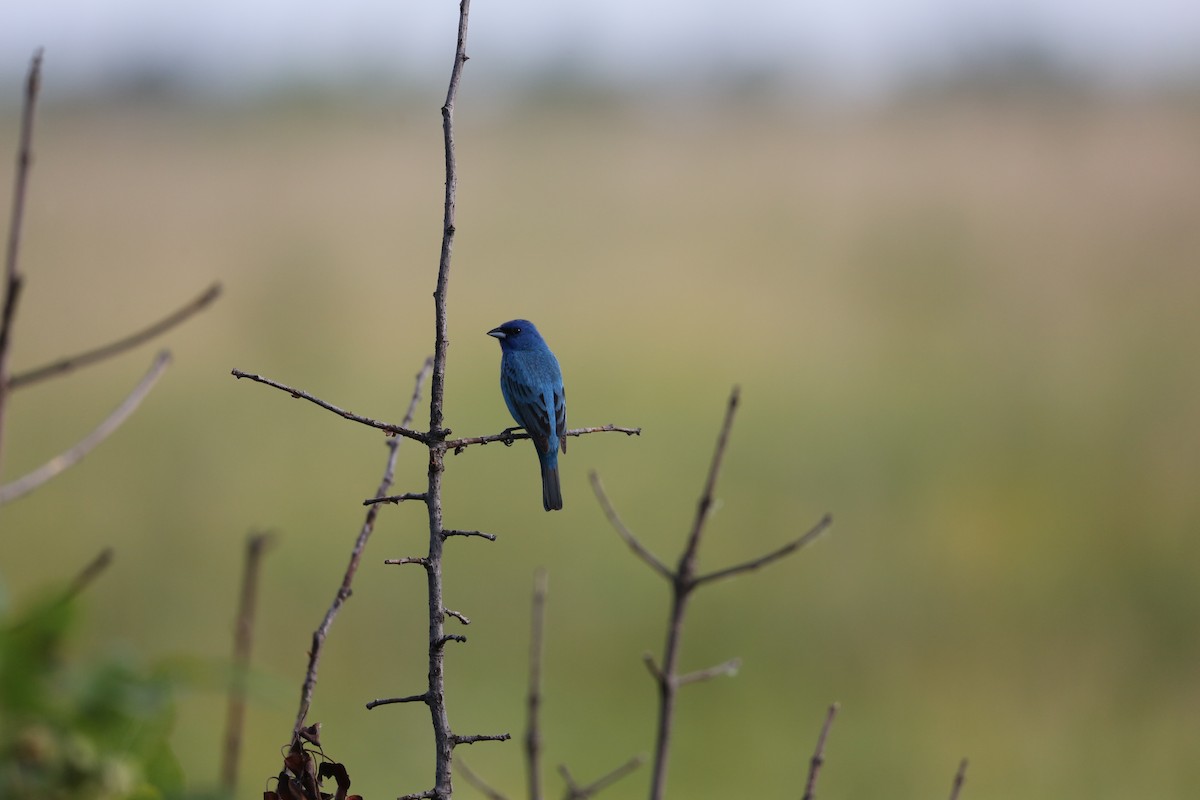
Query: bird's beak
(497, 332)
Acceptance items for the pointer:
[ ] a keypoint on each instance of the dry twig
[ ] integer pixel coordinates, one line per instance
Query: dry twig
(13, 280)
(243, 638)
(818, 756)
(67, 364)
(960, 778)
(68, 459)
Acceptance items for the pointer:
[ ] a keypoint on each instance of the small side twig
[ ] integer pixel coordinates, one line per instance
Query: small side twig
(70, 363)
(818, 756)
(623, 531)
(387, 701)
(89, 573)
(13, 280)
(360, 543)
(256, 546)
(960, 778)
(68, 459)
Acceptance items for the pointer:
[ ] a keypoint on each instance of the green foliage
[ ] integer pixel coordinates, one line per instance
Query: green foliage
(84, 731)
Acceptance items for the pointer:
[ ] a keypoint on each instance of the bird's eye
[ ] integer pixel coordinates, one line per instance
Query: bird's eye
(516, 330)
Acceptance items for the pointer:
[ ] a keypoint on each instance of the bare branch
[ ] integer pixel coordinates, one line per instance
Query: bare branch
(533, 735)
(387, 701)
(511, 435)
(449, 637)
(728, 669)
(69, 363)
(424, 562)
(419, 795)
(256, 545)
(460, 617)
(360, 543)
(479, 737)
(73, 456)
(396, 499)
(577, 792)
(624, 532)
(491, 537)
(653, 668)
(396, 430)
(13, 279)
(89, 573)
(479, 783)
(818, 756)
(789, 548)
(960, 778)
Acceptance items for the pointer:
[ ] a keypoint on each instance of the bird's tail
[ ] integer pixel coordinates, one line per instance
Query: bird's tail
(551, 491)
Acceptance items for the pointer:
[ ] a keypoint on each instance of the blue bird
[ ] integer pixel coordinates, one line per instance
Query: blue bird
(532, 385)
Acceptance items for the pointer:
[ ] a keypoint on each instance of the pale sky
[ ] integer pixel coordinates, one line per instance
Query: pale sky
(854, 41)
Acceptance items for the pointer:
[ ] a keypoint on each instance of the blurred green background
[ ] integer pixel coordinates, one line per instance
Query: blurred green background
(964, 322)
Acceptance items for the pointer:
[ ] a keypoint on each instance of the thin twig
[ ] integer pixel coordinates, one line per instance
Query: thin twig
(491, 537)
(479, 737)
(69, 363)
(89, 573)
(465, 620)
(818, 756)
(387, 701)
(704, 507)
(960, 778)
(533, 702)
(396, 430)
(624, 532)
(360, 543)
(726, 670)
(728, 572)
(508, 437)
(13, 279)
(395, 499)
(577, 792)
(243, 638)
(479, 783)
(73, 456)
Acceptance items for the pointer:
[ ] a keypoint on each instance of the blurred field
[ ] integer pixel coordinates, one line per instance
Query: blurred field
(969, 331)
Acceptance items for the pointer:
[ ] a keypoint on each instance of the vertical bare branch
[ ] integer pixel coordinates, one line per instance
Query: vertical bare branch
(682, 584)
(444, 738)
(364, 533)
(243, 639)
(533, 735)
(818, 756)
(960, 778)
(13, 279)
(438, 385)
(684, 581)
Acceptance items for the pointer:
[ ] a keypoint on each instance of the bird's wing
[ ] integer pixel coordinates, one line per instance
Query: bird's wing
(560, 415)
(529, 406)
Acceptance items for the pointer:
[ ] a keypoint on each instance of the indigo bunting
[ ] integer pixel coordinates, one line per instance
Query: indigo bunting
(532, 385)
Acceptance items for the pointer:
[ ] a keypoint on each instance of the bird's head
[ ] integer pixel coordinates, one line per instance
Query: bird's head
(517, 334)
